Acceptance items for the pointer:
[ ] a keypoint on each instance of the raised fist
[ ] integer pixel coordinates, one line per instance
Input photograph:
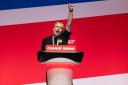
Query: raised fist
(70, 7)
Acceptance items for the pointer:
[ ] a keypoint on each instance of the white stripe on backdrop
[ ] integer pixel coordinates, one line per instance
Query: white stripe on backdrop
(118, 79)
(59, 12)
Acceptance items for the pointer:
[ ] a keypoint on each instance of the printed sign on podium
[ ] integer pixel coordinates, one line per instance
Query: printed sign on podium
(61, 48)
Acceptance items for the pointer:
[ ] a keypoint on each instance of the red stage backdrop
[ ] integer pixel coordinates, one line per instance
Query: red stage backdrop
(103, 38)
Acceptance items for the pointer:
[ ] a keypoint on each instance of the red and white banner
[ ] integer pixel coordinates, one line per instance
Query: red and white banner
(61, 48)
(100, 29)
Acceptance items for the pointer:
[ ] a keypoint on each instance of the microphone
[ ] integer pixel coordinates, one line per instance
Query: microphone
(59, 41)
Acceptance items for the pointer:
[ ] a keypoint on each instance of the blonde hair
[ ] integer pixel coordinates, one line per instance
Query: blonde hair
(59, 23)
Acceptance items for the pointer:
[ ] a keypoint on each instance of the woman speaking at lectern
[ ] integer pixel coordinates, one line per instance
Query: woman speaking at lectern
(60, 34)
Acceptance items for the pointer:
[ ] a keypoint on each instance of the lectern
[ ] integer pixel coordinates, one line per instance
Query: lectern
(60, 61)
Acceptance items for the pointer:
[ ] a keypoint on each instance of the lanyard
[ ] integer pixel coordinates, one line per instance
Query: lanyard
(53, 40)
